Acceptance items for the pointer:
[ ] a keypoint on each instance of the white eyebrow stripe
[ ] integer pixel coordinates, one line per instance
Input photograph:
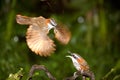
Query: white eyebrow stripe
(50, 26)
(52, 21)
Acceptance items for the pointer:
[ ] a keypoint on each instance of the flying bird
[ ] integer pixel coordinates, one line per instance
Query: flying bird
(37, 34)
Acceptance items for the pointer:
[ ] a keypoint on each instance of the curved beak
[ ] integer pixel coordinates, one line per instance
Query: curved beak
(70, 56)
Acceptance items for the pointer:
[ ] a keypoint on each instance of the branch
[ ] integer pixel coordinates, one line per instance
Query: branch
(40, 67)
(84, 74)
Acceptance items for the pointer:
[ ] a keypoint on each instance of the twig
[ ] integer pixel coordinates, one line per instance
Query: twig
(83, 74)
(40, 67)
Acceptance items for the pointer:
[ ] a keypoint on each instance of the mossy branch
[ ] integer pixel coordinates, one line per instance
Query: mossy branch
(40, 67)
(84, 74)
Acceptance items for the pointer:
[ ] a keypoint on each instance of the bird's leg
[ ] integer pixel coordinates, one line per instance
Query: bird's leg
(83, 78)
(75, 75)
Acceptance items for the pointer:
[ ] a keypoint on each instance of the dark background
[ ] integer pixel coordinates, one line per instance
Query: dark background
(95, 28)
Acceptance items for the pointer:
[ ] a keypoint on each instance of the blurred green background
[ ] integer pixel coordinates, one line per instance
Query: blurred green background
(95, 28)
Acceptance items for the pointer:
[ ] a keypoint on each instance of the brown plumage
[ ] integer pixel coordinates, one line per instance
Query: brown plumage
(62, 34)
(39, 42)
(37, 34)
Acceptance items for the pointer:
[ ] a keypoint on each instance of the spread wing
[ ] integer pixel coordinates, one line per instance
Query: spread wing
(39, 42)
(62, 34)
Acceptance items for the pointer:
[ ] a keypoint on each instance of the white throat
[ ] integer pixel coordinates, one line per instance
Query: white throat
(75, 63)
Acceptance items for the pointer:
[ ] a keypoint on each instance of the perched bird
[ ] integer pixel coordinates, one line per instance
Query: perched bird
(37, 34)
(79, 63)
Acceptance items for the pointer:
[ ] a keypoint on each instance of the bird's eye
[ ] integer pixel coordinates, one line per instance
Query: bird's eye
(74, 56)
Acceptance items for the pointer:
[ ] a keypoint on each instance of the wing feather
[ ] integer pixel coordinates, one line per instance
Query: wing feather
(39, 42)
(62, 34)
